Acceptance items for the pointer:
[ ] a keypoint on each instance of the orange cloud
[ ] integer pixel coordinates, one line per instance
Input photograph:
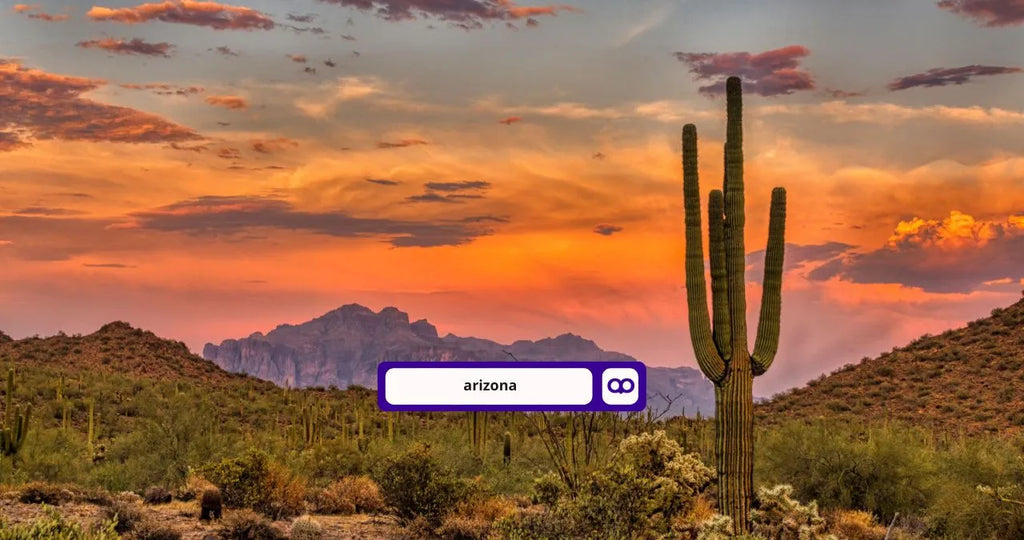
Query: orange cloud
(133, 46)
(508, 121)
(46, 105)
(39, 15)
(272, 146)
(209, 14)
(228, 102)
(401, 144)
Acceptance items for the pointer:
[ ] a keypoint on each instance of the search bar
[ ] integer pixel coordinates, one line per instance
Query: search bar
(511, 386)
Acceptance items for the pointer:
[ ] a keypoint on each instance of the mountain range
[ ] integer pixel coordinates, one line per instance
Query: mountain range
(343, 347)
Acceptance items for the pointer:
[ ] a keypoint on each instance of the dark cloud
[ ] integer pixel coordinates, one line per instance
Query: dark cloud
(382, 182)
(796, 255)
(457, 186)
(947, 76)
(197, 148)
(46, 211)
(307, 18)
(218, 216)
(315, 30)
(329, 63)
(10, 141)
(989, 13)
(838, 94)
(228, 102)
(468, 14)
(510, 120)
(598, 155)
(771, 73)
(483, 219)
(431, 197)
(273, 146)
(194, 12)
(229, 153)
(297, 58)
(163, 89)
(133, 46)
(607, 230)
(44, 105)
(310, 70)
(107, 265)
(955, 255)
(401, 144)
(347, 37)
(226, 51)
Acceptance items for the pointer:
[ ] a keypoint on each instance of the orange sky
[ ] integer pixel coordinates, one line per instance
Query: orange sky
(207, 173)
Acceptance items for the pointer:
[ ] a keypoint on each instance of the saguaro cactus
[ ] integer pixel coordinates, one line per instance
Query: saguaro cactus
(15, 427)
(722, 352)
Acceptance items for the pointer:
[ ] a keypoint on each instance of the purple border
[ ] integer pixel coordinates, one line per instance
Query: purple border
(596, 404)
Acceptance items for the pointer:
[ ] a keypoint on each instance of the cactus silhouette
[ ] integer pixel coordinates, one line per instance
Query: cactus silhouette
(15, 427)
(721, 350)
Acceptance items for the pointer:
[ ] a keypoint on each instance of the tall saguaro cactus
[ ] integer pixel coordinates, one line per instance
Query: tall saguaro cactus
(721, 350)
(15, 427)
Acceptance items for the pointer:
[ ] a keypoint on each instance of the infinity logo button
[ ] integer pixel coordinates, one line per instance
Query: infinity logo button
(619, 386)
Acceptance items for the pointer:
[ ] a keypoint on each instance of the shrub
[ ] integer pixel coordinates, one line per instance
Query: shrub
(41, 493)
(350, 495)
(248, 525)
(193, 487)
(855, 525)
(416, 485)
(53, 525)
(306, 528)
(253, 481)
(778, 515)
(473, 520)
(125, 516)
(156, 495)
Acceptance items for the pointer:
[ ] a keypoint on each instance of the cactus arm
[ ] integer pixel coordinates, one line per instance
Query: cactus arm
(710, 362)
(735, 256)
(719, 277)
(767, 341)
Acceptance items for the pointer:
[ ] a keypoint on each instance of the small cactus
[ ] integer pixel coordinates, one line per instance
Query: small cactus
(15, 428)
(506, 453)
(306, 528)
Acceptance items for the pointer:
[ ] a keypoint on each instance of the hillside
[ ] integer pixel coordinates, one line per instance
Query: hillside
(344, 346)
(971, 378)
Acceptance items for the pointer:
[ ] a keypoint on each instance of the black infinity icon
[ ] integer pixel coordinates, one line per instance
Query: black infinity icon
(621, 386)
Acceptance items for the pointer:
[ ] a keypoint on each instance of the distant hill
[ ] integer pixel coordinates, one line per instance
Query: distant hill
(971, 378)
(344, 346)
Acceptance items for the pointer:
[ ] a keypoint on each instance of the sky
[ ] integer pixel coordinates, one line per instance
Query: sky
(206, 170)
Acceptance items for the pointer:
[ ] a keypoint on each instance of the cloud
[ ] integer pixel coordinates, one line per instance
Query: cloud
(597, 155)
(607, 230)
(33, 12)
(457, 186)
(508, 121)
(197, 148)
(46, 106)
(310, 70)
(382, 182)
(839, 94)
(107, 265)
(228, 102)
(297, 58)
(431, 197)
(209, 14)
(164, 89)
(45, 211)
(345, 89)
(468, 14)
(401, 144)
(329, 63)
(957, 254)
(796, 256)
(347, 37)
(218, 216)
(990, 13)
(224, 50)
(10, 141)
(273, 146)
(229, 153)
(771, 73)
(947, 76)
(890, 113)
(307, 18)
(133, 46)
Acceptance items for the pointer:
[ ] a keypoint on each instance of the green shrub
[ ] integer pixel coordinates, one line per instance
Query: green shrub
(778, 515)
(416, 485)
(254, 481)
(54, 526)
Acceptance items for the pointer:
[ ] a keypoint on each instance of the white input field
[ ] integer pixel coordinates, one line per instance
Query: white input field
(448, 386)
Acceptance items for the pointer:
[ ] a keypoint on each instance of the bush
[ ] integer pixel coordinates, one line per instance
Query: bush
(473, 520)
(306, 528)
(156, 495)
(125, 516)
(52, 526)
(855, 525)
(416, 485)
(778, 515)
(248, 525)
(350, 495)
(41, 493)
(193, 487)
(253, 481)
